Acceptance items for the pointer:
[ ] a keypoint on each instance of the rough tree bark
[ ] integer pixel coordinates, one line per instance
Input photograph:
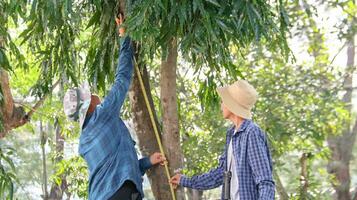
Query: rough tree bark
(170, 122)
(10, 115)
(144, 131)
(341, 146)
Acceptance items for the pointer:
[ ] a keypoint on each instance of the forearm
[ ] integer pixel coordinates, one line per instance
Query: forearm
(209, 180)
(125, 64)
(206, 181)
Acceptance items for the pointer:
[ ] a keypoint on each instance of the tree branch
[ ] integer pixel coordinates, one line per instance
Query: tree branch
(280, 187)
(13, 116)
(338, 52)
(40, 102)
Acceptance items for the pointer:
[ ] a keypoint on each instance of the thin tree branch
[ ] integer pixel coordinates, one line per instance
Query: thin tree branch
(27, 117)
(339, 51)
(40, 102)
(17, 117)
(348, 13)
(280, 187)
(43, 139)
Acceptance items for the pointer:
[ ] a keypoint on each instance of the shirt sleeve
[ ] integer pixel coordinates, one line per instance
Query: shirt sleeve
(209, 180)
(113, 102)
(144, 164)
(260, 161)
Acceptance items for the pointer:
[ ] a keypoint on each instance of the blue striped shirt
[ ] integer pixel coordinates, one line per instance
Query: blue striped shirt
(253, 165)
(105, 142)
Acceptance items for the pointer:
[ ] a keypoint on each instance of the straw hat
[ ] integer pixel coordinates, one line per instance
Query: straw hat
(239, 98)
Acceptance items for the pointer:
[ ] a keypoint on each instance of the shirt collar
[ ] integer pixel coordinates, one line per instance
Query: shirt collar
(242, 127)
(87, 119)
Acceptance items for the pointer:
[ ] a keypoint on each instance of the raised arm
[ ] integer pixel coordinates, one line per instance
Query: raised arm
(114, 100)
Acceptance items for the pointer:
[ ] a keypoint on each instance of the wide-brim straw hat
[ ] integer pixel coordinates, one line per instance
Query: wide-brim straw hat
(239, 98)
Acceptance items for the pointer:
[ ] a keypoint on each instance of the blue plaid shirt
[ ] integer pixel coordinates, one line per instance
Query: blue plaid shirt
(105, 142)
(253, 165)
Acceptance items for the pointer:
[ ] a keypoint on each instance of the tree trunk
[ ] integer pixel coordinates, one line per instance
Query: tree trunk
(171, 136)
(56, 192)
(341, 146)
(144, 131)
(43, 139)
(10, 115)
(304, 181)
(193, 194)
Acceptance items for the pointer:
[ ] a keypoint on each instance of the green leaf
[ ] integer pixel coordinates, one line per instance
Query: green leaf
(4, 62)
(214, 2)
(94, 20)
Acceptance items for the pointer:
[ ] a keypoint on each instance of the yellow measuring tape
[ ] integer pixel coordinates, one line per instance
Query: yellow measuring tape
(154, 125)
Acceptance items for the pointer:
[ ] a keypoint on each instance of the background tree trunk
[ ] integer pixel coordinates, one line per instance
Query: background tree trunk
(56, 192)
(304, 177)
(341, 146)
(170, 123)
(43, 140)
(193, 194)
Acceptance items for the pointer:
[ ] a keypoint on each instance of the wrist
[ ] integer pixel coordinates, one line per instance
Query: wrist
(183, 180)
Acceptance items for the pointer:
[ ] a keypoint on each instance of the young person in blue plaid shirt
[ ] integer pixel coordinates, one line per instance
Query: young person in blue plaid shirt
(115, 172)
(246, 155)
